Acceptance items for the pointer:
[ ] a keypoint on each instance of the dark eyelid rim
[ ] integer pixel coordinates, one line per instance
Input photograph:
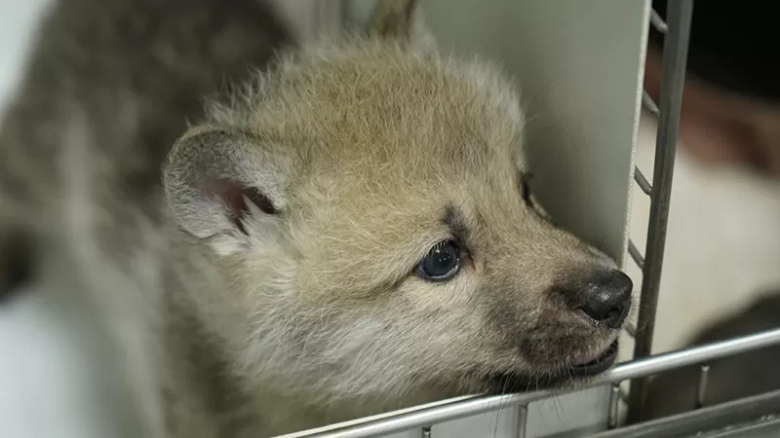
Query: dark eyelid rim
(453, 219)
(525, 188)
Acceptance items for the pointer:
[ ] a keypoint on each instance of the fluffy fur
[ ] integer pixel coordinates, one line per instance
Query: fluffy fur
(267, 283)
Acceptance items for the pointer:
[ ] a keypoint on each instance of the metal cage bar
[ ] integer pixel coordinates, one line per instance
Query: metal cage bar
(421, 416)
(675, 54)
(736, 417)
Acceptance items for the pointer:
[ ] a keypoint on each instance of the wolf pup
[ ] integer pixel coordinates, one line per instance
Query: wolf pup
(350, 231)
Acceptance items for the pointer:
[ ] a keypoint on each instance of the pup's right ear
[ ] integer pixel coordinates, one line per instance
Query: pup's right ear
(216, 180)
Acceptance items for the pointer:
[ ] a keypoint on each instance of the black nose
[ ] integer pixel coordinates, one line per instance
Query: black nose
(606, 297)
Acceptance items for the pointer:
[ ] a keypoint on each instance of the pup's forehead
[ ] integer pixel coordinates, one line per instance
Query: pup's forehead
(374, 107)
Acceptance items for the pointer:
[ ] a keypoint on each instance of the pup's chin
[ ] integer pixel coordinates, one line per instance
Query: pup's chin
(568, 375)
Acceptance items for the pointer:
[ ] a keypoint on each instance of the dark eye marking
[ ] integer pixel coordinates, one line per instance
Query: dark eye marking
(453, 219)
(525, 189)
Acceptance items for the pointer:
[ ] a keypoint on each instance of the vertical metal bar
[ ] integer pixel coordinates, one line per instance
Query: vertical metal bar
(522, 421)
(701, 388)
(614, 404)
(675, 56)
(426, 432)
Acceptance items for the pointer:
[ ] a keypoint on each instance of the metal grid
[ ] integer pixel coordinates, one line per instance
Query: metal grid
(746, 416)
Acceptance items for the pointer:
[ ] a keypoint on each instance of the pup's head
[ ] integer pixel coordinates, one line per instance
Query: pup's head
(368, 203)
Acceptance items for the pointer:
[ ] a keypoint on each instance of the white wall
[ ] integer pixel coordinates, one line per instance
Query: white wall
(17, 19)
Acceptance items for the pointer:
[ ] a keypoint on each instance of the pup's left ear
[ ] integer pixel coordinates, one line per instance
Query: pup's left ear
(402, 21)
(224, 186)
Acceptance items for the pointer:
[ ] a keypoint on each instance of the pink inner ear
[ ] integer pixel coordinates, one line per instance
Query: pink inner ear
(233, 196)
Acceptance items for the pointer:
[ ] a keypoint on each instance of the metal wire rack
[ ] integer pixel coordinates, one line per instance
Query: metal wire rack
(746, 416)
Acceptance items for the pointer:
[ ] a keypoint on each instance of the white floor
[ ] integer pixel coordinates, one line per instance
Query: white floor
(723, 247)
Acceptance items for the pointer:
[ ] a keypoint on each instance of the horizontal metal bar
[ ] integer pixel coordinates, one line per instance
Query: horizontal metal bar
(746, 410)
(650, 104)
(658, 23)
(634, 253)
(438, 412)
(378, 417)
(768, 426)
(642, 182)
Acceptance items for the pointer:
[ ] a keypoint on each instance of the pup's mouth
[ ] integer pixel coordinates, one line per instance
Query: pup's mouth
(591, 366)
(568, 374)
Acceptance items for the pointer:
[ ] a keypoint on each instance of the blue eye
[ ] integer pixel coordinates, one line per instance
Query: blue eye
(441, 263)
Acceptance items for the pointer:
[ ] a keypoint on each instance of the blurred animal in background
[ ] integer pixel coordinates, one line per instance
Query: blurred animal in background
(730, 378)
